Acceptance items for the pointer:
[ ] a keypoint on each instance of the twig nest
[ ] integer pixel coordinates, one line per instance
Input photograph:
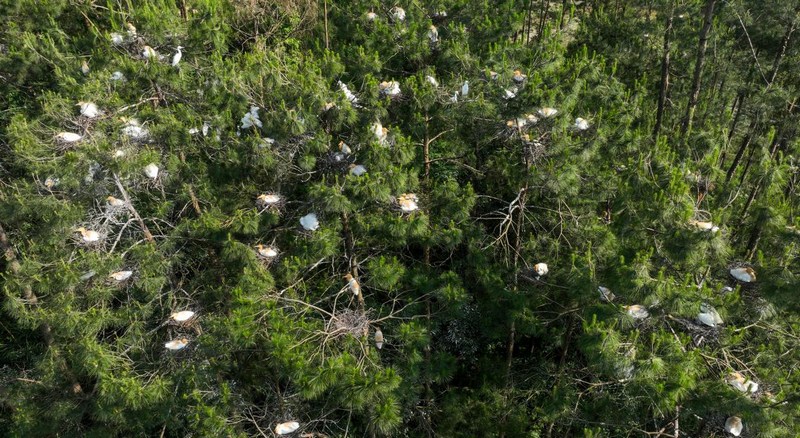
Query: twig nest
(309, 222)
(408, 202)
(389, 88)
(708, 315)
(88, 236)
(398, 13)
(176, 344)
(89, 109)
(347, 93)
(353, 284)
(734, 426)
(704, 226)
(744, 274)
(267, 252)
(540, 269)
(267, 200)
(547, 112)
(605, 294)
(581, 124)
(68, 137)
(518, 77)
(151, 171)
(637, 311)
(120, 276)
(182, 316)
(287, 428)
(134, 131)
(251, 119)
(433, 34)
(741, 383)
(378, 339)
(432, 80)
(115, 202)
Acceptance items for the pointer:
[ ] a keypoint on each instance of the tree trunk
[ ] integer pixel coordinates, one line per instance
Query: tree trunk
(698, 67)
(745, 143)
(782, 51)
(662, 93)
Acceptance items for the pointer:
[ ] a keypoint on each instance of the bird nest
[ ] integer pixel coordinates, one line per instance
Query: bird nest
(348, 322)
(336, 162)
(701, 334)
(270, 201)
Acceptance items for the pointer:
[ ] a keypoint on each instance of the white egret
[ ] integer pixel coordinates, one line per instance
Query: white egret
(605, 294)
(85, 67)
(433, 34)
(408, 202)
(89, 236)
(309, 222)
(347, 93)
(267, 200)
(251, 119)
(117, 76)
(378, 338)
(389, 88)
(267, 252)
(745, 274)
(68, 137)
(151, 171)
(519, 77)
(547, 112)
(182, 316)
(581, 124)
(115, 202)
(117, 38)
(176, 344)
(708, 315)
(540, 269)
(734, 426)
(432, 80)
(176, 58)
(357, 169)
(120, 275)
(344, 148)
(637, 311)
(287, 428)
(741, 383)
(465, 89)
(371, 16)
(89, 109)
(509, 94)
(398, 13)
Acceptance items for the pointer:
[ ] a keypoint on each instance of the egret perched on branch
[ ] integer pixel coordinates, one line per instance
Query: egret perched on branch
(251, 119)
(581, 124)
(88, 236)
(347, 93)
(115, 202)
(267, 200)
(432, 80)
(465, 89)
(704, 226)
(379, 132)
(88, 109)
(352, 284)
(287, 428)
(120, 275)
(378, 338)
(408, 202)
(176, 344)
(85, 67)
(176, 58)
(433, 34)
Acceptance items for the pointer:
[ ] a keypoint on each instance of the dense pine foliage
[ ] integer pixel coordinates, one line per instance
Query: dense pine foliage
(456, 218)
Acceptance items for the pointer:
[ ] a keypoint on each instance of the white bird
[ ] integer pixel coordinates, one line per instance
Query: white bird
(117, 76)
(371, 16)
(344, 148)
(89, 109)
(432, 80)
(734, 426)
(741, 383)
(433, 34)
(89, 236)
(454, 99)
(182, 316)
(267, 200)
(704, 226)
(547, 112)
(408, 202)
(251, 119)
(287, 428)
(115, 202)
(493, 75)
(398, 13)
(378, 338)
(440, 14)
(519, 77)
(581, 124)
(118, 153)
(708, 315)
(379, 131)
(357, 169)
(134, 131)
(151, 170)
(309, 222)
(68, 137)
(540, 269)
(347, 93)
(268, 252)
(149, 53)
(605, 294)
(510, 93)
(465, 89)
(120, 275)
(205, 127)
(176, 58)
(389, 88)
(176, 344)
(637, 311)
(267, 142)
(85, 67)
(51, 182)
(131, 29)
(352, 284)
(745, 274)
(117, 38)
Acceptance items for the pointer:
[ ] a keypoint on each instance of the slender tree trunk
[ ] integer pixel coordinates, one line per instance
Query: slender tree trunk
(745, 143)
(787, 36)
(563, 13)
(665, 61)
(542, 19)
(698, 67)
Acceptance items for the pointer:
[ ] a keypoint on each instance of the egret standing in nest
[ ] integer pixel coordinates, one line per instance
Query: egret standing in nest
(734, 426)
(88, 236)
(637, 311)
(398, 13)
(744, 274)
(433, 34)
(344, 148)
(120, 276)
(378, 338)
(68, 137)
(267, 200)
(309, 222)
(352, 284)
(182, 316)
(287, 428)
(176, 344)
(151, 171)
(266, 252)
(519, 77)
(581, 124)
(408, 202)
(89, 109)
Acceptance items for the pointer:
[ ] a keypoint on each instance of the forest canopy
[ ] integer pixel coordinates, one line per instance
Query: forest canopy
(454, 218)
